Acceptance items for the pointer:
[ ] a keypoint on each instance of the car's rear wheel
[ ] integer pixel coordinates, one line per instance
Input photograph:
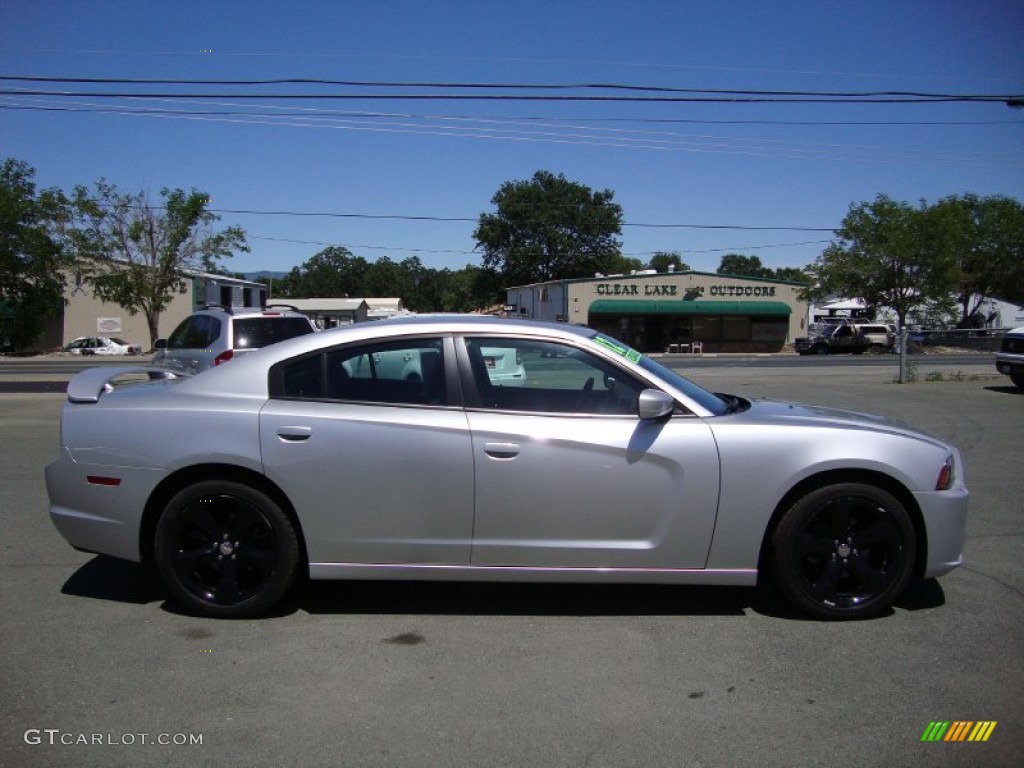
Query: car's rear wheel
(1018, 379)
(844, 551)
(226, 550)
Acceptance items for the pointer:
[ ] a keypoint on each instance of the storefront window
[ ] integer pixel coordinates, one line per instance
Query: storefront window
(707, 329)
(736, 328)
(773, 329)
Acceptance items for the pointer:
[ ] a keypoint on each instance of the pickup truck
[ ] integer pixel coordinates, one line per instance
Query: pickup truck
(855, 339)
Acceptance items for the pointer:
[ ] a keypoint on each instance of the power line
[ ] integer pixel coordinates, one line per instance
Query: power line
(498, 129)
(436, 251)
(473, 220)
(482, 91)
(550, 60)
(484, 97)
(525, 119)
(855, 96)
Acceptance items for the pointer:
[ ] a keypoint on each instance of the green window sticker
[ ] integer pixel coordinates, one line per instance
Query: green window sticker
(618, 348)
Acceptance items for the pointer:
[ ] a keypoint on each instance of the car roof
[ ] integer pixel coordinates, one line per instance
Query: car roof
(271, 310)
(244, 375)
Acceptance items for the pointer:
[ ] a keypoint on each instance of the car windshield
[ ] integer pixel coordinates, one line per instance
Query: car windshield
(707, 400)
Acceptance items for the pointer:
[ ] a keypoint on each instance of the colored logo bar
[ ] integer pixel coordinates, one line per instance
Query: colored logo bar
(958, 730)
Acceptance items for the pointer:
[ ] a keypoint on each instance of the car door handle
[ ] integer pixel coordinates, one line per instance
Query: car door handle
(294, 434)
(501, 450)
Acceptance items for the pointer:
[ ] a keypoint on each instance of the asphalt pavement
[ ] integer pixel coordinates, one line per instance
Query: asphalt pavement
(97, 669)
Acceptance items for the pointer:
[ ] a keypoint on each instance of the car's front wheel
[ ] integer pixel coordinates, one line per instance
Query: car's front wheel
(844, 551)
(226, 550)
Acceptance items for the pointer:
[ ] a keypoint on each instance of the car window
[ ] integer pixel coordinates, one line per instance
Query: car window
(549, 377)
(257, 332)
(408, 372)
(196, 332)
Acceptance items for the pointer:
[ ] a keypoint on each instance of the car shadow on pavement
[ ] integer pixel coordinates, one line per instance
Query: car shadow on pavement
(494, 599)
(120, 581)
(1006, 390)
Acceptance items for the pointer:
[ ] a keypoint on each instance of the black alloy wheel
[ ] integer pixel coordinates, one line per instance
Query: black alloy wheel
(226, 550)
(845, 551)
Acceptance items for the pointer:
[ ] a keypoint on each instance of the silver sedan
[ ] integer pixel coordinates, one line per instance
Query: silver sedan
(396, 450)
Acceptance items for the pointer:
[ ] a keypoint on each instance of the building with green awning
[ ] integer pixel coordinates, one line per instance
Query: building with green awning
(673, 311)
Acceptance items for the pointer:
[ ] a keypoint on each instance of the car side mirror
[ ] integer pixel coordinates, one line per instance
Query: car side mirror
(654, 404)
(160, 344)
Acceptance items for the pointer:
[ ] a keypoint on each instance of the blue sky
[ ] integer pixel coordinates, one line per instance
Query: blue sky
(701, 179)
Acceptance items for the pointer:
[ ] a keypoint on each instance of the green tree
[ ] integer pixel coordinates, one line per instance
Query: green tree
(889, 254)
(462, 290)
(988, 239)
(792, 274)
(549, 228)
(662, 260)
(31, 257)
(743, 266)
(334, 272)
(387, 278)
(140, 252)
(624, 265)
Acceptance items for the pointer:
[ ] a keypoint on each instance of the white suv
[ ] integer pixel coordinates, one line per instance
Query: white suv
(214, 335)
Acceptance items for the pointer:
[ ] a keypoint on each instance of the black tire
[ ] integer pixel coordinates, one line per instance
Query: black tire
(1017, 379)
(225, 550)
(844, 551)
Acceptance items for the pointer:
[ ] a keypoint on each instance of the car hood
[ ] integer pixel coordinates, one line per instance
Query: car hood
(800, 414)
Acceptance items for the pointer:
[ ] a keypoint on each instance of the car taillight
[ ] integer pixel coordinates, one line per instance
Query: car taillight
(946, 476)
(223, 357)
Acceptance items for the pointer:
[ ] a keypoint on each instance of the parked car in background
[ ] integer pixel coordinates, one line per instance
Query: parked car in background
(1010, 357)
(102, 345)
(854, 338)
(881, 337)
(214, 335)
(601, 466)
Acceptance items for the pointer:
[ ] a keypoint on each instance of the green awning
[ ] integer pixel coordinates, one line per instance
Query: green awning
(648, 307)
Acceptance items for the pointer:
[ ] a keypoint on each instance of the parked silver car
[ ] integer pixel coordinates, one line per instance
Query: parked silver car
(601, 465)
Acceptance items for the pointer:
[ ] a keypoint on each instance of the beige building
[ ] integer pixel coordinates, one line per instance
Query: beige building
(661, 312)
(86, 315)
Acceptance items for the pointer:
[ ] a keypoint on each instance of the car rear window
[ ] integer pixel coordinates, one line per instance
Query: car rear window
(196, 332)
(256, 332)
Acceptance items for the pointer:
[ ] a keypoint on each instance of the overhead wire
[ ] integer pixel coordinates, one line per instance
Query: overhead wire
(677, 93)
(309, 117)
(509, 129)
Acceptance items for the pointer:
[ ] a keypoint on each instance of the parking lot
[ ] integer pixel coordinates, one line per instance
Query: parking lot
(96, 669)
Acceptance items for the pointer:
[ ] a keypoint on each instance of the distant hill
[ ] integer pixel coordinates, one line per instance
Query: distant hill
(265, 275)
